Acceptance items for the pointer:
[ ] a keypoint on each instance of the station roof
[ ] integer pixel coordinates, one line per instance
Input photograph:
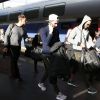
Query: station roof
(3, 1)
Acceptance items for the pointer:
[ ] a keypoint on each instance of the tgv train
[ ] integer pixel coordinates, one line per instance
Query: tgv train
(70, 12)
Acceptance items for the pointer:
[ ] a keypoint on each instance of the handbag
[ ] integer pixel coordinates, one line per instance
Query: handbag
(36, 53)
(55, 47)
(91, 60)
(38, 50)
(70, 51)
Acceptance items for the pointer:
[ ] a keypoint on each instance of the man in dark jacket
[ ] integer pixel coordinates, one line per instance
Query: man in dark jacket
(49, 36)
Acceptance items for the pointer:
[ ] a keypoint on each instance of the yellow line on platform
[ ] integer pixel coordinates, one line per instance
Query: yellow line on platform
(80, 93)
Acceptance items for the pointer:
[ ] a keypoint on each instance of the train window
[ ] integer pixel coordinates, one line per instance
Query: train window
(67, 25)
(56, 9)
(14, 16)
(64, 26)
(3, 18)
(32, 14)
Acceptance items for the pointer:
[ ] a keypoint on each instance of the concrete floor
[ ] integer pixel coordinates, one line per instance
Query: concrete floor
(28, 89)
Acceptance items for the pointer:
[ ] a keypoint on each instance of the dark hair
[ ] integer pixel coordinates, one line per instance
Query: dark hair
(21, 16)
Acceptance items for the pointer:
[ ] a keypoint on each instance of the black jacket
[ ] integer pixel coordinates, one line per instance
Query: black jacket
(47, 39)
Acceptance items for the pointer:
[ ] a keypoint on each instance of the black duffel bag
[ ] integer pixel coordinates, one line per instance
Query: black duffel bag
(91, 61)
(36, 53)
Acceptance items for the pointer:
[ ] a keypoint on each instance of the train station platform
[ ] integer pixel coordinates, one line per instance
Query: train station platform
(28, 88)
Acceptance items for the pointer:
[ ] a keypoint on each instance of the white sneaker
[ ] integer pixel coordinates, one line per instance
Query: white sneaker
(61, 96)
(92, 90)
(71, 83)
(41, 85)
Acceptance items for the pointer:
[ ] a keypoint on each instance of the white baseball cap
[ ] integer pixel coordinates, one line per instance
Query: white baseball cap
(53, 17)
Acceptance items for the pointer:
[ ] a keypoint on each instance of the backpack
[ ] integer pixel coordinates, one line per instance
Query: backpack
(8, 40)
(6, 53)
(10, 33)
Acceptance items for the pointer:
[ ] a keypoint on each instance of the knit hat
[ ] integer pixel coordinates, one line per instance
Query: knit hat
(53, 17)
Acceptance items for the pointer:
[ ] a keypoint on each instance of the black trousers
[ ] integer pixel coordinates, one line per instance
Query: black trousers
(46, 62)
(53, 81)
(59, 68)
(14, 55)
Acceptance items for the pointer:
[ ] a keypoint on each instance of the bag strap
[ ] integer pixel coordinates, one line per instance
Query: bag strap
(81, 34)
(86, 40)
(10, 32)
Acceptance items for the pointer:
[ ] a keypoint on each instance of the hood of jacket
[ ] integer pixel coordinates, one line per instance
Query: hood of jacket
(85, 19)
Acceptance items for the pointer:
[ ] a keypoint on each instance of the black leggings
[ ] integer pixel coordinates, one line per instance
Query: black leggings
(14, 55)
(53, 81)
(46, 65)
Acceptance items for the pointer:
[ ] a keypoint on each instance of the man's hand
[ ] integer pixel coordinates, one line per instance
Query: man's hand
(30, 39)
(82, 45)
(98, 50)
